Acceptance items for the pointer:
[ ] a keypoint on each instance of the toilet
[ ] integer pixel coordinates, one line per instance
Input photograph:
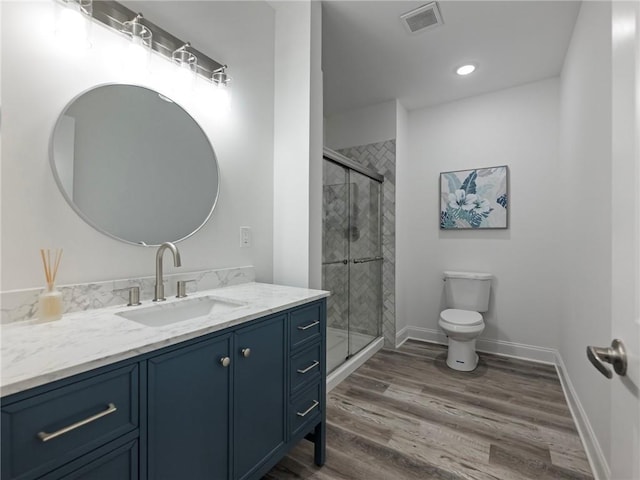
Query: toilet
(467, 294)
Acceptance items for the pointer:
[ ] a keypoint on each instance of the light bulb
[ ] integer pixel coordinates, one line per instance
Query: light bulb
(73, 23)
(466, 69)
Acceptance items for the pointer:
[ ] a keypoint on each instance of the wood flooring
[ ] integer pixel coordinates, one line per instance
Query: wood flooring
(405, 415)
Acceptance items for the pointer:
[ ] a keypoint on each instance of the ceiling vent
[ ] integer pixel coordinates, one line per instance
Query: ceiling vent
(422, 18)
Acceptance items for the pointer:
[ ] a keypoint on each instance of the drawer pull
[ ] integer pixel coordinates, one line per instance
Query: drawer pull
(310, 367)
(317, 322)
(45, 437)
(308, 410)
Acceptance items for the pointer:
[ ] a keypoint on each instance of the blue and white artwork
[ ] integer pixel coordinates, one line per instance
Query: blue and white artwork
(474, 199)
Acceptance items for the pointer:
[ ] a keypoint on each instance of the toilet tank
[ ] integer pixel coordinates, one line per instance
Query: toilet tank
(467, 290)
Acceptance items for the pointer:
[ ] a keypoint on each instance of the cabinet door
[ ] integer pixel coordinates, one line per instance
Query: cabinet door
(121, 464)
(188, 427)
(259, 394)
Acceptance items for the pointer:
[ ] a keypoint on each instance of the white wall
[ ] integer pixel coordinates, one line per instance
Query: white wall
(316, 142)
(371, 124)
(292, 142)
(586, 211)
(517, 127)
(34, 213)
(298, 136)
(404, 206)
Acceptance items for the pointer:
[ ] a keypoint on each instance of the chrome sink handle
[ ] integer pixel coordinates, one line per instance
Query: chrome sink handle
(181, 288)
(134, 295)
(615, 355)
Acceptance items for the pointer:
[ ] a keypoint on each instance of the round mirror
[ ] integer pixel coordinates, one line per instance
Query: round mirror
(134, 165)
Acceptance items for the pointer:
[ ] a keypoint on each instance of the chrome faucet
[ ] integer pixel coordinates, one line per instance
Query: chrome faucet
(159, 290)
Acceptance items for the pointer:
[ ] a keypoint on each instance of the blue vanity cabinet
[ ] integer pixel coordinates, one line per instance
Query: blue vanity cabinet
(259, 409)
(224, 406)
(188, 411)
(120, 463)
(307, 377)
(52, 426)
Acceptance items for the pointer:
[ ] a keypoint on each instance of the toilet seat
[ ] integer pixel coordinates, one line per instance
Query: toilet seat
(463, 318)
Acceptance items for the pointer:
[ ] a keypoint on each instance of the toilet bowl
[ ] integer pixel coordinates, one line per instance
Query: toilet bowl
(467, 294)
(462, 327)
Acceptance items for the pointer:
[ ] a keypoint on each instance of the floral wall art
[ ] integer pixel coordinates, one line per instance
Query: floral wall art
(474, 198)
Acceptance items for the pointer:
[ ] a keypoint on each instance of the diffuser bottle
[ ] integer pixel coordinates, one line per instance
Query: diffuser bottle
(50, 301)
(50, 304)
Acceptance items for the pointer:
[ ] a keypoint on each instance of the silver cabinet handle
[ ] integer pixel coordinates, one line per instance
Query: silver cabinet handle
(313, 324)
(308, 410)
(225, 361)
(245, 352)
(615, 355)
(45, 437)
(310, 367)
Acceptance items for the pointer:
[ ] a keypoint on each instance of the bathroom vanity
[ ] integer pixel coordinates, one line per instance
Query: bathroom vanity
(222, 396)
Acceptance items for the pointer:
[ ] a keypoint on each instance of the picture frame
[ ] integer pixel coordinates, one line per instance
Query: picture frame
(475, 199)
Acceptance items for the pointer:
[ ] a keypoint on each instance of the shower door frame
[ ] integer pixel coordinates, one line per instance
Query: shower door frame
(350, 165)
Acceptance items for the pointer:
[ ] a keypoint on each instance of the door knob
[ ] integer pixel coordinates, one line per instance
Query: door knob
(245, 352)
(615, 355)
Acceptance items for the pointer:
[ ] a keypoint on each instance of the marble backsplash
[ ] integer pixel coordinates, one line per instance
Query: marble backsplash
(20, 305)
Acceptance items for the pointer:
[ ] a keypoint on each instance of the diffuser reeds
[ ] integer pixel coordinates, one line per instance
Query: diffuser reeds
(50, 299)
(50, 269)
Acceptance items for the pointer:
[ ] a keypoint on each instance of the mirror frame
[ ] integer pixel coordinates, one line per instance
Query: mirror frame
(80, 213)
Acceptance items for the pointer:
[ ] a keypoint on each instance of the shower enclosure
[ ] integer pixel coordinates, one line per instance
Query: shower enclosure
(351, 256)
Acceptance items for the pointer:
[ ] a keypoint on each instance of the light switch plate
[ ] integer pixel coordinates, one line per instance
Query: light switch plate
(245, 237)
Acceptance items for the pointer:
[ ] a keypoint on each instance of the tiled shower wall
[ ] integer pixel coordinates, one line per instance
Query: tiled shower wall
(381, 157)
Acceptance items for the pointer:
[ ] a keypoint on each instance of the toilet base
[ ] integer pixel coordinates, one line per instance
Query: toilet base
(462, 355)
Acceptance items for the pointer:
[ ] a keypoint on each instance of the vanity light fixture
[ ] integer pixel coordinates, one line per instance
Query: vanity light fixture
(220, 77)
(466, 69)
(141, 39)
(221, 83)
(73, 21)
(184, 58)
(145, 36)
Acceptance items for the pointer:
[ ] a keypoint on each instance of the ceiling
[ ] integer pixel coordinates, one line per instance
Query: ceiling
(368, 57)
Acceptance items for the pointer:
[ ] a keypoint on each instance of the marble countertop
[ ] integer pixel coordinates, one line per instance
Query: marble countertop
(34, 354)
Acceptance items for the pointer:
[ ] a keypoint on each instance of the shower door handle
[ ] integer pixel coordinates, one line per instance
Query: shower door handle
(367, 259)
(344, 262)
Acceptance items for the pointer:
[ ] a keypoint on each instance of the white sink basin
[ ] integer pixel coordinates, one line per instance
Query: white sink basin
(167, 313)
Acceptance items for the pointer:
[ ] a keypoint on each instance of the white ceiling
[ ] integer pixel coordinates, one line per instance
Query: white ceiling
(368, 56)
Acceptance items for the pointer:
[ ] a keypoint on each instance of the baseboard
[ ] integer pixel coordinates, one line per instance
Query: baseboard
(498, 347)
(402, 336)
(599, 466)
(346, 369)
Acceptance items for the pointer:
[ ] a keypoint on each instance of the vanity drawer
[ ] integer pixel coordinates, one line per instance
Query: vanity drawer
(305, 325)
(43, 432)
(305, 367)
(306, 409)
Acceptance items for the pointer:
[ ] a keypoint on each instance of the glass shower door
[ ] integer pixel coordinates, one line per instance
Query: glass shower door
(335, 264)
(365, 261)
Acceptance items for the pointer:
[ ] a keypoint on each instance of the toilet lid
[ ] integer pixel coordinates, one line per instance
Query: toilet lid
(461, 317)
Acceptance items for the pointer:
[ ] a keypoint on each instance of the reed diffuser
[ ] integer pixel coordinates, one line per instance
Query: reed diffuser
(51, 299)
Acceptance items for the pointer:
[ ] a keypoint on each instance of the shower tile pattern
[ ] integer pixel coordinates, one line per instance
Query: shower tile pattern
(381, 157)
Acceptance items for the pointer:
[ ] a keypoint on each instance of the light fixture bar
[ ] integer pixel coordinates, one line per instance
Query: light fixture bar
(114, 15)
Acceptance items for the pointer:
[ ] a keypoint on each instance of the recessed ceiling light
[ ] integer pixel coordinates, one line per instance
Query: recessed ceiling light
(465, 69)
